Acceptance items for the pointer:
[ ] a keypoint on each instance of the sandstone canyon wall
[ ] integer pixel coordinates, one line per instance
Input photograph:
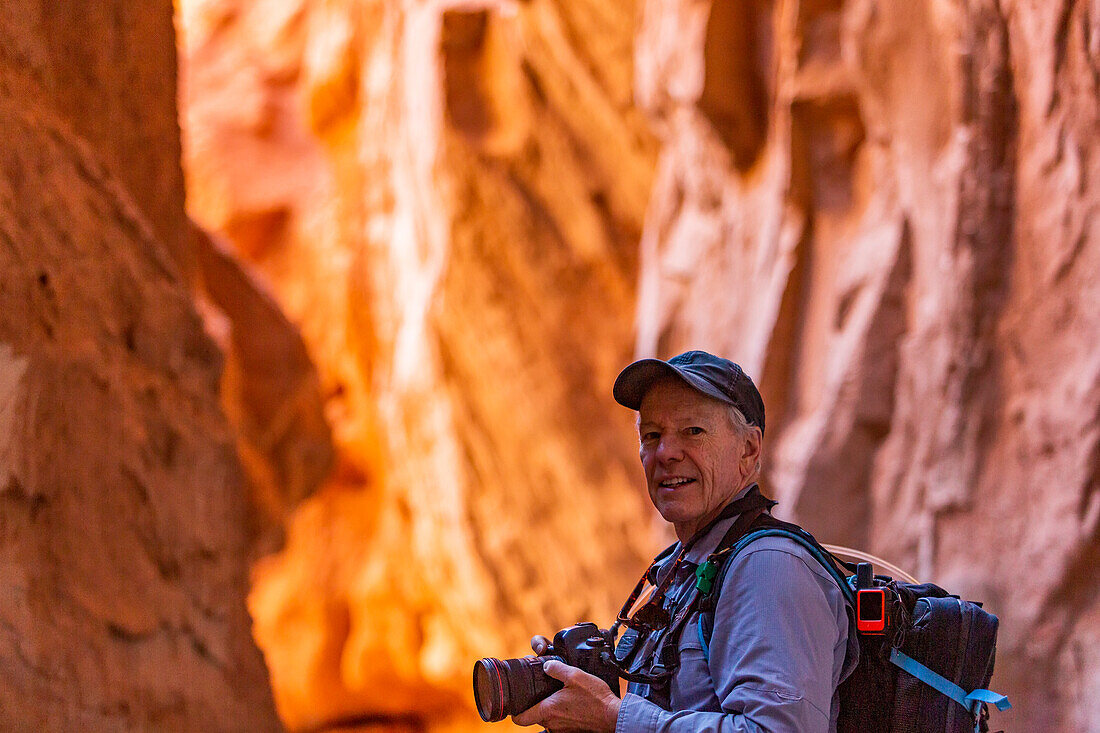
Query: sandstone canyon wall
(447, 199)
(896, 204)
(886, 211)
(122, 565)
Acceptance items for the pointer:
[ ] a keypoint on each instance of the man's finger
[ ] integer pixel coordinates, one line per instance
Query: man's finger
(558, 670)
(524, 718)
(530, 716)
(539, 644)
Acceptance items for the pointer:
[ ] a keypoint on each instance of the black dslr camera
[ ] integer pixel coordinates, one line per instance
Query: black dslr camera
(510, 686)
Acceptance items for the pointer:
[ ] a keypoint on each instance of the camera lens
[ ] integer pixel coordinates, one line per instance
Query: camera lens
(510, 686)
(489, 687)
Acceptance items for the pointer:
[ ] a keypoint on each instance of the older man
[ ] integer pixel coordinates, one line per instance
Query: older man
(778, 645)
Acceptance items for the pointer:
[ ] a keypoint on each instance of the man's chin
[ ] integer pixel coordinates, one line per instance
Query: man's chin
(674, 512)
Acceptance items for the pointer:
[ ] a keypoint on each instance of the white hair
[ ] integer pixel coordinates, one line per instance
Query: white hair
(738, 420)
(740, 425)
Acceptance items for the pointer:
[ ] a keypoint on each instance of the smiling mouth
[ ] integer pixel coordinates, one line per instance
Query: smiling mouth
(675, 483)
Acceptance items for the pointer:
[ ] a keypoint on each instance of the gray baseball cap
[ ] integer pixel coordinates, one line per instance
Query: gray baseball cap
(712, 375)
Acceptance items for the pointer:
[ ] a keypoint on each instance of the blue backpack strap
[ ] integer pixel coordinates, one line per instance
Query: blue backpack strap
(972, 701)
(703, 640)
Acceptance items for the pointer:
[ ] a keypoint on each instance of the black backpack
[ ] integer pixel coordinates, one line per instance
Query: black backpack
(925, 672)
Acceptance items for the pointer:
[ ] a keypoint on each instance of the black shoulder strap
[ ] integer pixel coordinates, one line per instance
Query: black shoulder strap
(753, 501)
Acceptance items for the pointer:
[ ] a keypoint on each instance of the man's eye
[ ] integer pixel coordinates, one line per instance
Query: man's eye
(694, 430)
(649, 437)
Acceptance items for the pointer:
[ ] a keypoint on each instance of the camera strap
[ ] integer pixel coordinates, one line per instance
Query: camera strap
(659, 647)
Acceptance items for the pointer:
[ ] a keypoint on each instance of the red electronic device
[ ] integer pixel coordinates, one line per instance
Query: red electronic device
(871, 610)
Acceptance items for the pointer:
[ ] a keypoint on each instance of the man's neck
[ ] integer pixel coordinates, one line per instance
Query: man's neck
(687, 530)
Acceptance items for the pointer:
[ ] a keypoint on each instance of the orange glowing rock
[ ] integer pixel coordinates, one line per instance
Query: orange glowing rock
(444, 200)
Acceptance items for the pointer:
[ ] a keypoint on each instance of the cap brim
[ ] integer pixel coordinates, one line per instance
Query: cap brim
(634, 381)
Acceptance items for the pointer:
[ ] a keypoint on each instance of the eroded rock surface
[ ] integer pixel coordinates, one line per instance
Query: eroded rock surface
(446, 198)
(270, 391)
(906, 230)
(122, 574)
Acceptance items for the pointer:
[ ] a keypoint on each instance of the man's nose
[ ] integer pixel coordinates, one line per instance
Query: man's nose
(669, 449)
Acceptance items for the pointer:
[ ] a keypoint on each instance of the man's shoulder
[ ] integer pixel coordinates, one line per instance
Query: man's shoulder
(770, 555)
(773, 577)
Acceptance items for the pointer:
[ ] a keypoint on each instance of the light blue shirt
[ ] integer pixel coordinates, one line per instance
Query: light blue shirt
(779, 648)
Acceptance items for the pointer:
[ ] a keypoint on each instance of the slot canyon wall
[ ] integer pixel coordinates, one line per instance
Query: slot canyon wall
(122, 555)
(885, 211)
(899, 202)
(428, 235)
(447, 199)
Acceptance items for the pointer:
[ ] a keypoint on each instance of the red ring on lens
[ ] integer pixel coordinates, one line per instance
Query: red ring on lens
(497, 664)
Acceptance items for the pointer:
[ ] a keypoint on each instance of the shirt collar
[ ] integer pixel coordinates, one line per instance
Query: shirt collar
(708, 543)
(705, 545)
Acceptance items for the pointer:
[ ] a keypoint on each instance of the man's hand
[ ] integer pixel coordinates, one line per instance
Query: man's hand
(586, 703)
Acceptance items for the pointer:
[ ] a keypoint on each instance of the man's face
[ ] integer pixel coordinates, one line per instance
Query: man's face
(694, 459)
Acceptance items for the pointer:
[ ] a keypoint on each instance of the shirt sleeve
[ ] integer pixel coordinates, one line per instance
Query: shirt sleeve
(780, 634)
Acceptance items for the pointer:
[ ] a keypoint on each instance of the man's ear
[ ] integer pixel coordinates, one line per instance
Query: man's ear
(750, 451)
